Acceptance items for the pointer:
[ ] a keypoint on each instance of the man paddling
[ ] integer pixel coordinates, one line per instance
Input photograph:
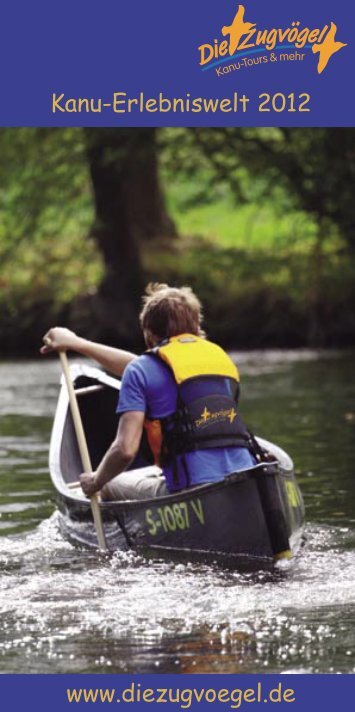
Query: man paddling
(183, 391)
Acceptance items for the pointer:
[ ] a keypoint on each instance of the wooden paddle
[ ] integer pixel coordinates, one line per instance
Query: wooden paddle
(83, 448)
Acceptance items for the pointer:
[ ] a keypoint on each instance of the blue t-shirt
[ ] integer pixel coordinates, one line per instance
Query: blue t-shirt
(148, 385)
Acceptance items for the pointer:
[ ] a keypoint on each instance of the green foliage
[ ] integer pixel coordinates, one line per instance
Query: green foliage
(252, 226)
(266, 219)
(258, 298)
(45, 214)
(310, 170)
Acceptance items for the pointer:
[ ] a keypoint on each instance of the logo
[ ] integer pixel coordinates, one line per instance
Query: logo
(244, 38)
(206, 418)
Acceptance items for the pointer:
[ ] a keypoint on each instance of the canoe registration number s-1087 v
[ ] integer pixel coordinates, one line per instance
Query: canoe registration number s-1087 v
(171, 517)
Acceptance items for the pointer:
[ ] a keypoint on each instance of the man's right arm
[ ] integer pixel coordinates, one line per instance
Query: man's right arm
(113, 360)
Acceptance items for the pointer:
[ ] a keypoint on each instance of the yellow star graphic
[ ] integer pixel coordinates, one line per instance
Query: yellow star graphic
(327, 48)
(232, 415)
(206, 414)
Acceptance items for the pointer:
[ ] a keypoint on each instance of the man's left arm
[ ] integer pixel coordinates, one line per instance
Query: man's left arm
(119, 455)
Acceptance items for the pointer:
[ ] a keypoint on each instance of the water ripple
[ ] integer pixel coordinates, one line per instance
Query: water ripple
(76, 603)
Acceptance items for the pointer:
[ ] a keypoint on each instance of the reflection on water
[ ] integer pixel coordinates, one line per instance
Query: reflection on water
(66, 610)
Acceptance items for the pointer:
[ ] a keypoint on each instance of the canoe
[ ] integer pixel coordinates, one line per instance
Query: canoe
(251, 518)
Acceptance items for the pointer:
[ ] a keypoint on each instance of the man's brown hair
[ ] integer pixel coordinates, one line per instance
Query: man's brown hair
(169, 311)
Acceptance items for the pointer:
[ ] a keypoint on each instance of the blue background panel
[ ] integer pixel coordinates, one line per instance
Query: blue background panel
(91, 49)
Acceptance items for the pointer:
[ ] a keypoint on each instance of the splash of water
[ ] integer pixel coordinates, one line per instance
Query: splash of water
(65, 610)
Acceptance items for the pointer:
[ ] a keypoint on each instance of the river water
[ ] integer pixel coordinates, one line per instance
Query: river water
(65, 610)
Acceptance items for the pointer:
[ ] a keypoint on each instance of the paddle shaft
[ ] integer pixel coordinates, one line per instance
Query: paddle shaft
(83, 448)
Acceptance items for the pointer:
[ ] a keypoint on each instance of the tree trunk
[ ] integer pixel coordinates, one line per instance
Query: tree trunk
(129, 209)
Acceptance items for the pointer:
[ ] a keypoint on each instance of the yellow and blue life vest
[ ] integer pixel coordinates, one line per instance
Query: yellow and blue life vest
(206, 415)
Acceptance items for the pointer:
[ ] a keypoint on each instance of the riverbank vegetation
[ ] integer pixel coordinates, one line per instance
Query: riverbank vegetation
(261, 222)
